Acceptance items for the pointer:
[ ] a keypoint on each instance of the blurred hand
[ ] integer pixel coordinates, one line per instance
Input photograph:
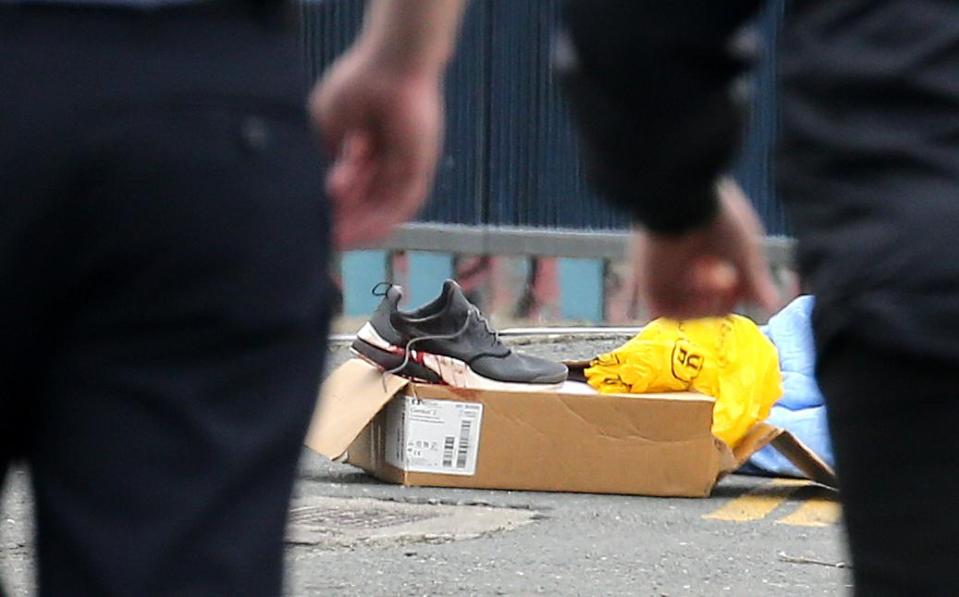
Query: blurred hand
(384, 126)
(709, 271)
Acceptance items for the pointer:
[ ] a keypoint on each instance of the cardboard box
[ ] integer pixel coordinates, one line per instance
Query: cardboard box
(569, 440)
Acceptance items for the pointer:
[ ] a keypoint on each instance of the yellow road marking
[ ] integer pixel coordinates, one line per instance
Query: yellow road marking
(814, 512)
(758, 502)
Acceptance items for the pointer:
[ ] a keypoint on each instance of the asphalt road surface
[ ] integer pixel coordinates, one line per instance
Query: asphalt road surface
(352, 535)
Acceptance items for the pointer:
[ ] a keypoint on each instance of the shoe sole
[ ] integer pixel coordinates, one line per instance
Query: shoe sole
(432, 368)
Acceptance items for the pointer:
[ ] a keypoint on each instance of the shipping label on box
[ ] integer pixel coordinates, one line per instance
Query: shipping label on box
(433, 436)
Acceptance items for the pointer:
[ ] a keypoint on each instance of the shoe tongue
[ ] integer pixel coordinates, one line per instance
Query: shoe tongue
(457, 304)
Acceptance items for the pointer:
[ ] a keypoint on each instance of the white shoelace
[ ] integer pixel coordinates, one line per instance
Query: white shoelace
(408, 351)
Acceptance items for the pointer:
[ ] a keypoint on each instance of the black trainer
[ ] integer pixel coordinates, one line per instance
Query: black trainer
(449, 341)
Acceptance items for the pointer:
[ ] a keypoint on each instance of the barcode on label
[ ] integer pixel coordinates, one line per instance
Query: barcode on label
(464, 443)
(448, 451)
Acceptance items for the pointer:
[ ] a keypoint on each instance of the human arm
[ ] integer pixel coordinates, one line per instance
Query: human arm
(653, 89)
(379, 111)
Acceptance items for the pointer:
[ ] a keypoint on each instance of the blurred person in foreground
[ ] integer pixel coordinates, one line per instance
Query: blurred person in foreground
(869, 166)
(164, 244)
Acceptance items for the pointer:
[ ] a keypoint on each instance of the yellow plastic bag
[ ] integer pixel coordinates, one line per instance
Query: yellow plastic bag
(727, 358)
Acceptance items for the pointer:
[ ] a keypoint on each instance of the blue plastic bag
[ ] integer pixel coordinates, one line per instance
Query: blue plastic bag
(801, 410)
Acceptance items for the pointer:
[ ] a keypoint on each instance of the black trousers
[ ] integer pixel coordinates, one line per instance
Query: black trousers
(163, 291)
(868, 165)
(893, 420)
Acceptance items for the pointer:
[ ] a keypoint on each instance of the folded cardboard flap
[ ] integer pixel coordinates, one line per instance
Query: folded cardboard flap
(804, 459)
(796, 452)
(349, 398)
(757, 438)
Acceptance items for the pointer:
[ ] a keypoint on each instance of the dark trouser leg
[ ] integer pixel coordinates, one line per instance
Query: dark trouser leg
(893, 419)
(184, 298)
(869, 164)
(176, 402)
